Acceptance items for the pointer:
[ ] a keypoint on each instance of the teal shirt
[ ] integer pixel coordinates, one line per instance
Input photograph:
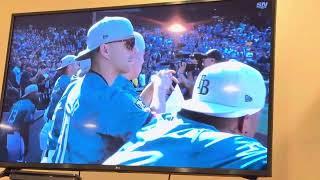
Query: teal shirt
(59, 87)
(175, 141)
(98, 119)
(21, 112)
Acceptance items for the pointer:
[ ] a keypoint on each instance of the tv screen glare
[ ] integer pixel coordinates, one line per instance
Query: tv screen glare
(184, 87)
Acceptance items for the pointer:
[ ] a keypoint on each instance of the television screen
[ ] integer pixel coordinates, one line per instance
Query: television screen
(167, 88)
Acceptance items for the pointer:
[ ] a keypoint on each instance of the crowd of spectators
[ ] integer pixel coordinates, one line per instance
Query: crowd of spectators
(234, 39)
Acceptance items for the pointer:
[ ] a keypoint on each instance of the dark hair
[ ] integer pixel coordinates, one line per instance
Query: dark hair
(94, 52)
(58, 74)
(217, 122)
(62, 71)
(214, 53)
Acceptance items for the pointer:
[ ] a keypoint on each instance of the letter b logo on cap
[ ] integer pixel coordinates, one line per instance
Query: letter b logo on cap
(203, 85)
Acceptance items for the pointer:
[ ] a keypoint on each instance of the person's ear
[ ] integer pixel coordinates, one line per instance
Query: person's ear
(248, 125)
(105, 51)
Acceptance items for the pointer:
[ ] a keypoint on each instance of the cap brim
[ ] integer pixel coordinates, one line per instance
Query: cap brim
(24, 96)
(60, 68)
(217, 110)
(28, 94)
(85, 54)
(65, 65)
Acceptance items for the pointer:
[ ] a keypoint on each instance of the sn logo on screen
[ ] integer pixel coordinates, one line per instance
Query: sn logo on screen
(262, 5)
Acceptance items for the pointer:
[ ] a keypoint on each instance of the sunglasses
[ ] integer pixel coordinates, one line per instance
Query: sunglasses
(129, 43)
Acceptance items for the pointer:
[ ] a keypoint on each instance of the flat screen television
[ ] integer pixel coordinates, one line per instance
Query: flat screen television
(183, 87)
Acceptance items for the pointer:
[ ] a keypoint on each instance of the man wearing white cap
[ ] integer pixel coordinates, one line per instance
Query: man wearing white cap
(97, 109)
(22, 114)
(154, 95)
(213, 130)
(68, 67)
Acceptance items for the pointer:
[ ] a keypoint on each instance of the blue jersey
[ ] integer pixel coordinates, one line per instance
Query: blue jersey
(48, 131)
(58, 89)
(57, 118)
(22, 112)
(176, 141)
(98, 119)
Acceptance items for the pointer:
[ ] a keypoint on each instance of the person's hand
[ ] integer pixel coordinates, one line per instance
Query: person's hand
(162, 83)
(182, 68)
(163, 80)
(182, 79)
(181, 73)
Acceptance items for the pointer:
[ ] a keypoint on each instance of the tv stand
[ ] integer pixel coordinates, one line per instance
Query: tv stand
(17, 174)
(5, 173)
(250, 177)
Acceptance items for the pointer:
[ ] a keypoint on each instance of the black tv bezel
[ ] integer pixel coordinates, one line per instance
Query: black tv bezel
(148, 169)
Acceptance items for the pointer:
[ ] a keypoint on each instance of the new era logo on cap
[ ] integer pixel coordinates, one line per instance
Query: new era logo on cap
(228, 89)
(248, 98)
(105, 36)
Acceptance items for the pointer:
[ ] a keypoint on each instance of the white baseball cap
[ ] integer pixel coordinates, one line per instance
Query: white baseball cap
(228, 89)
(67, 60)
(106, 30)
(30, 89)
(85, 66)
(139, 44)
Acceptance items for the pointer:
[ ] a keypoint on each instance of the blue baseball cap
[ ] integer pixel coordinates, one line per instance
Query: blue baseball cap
(106, 30)
(32, 88)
